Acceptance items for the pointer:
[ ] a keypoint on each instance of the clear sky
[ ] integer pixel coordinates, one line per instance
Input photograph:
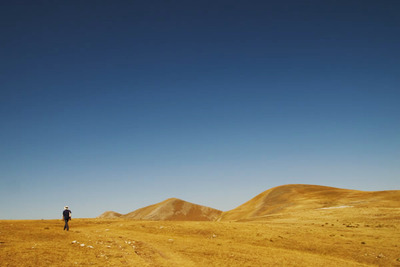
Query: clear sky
(116, 105)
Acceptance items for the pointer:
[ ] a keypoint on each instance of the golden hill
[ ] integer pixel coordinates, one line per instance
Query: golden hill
(174, 209)
(285, 200)
(290, 199)
(110, 215)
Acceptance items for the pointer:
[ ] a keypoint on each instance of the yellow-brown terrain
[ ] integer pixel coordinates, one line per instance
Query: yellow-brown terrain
(288, 199)
(110, 215)
(314, 226)
(172, 209)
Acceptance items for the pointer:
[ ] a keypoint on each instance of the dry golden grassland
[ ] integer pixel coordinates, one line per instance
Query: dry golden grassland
(319, 237)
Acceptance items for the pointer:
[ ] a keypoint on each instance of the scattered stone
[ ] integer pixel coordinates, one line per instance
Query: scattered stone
(380, 256)
(170, 240)
(74, 242)
(214, 236)
(89, 246)
(161, 227)
(352, 225)
(82, 245)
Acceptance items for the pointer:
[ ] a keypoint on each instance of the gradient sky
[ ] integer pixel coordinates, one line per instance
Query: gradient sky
(116, 105)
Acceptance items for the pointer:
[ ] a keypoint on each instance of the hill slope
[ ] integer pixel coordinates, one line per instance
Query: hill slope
(110, 215)
(298, 197)
(174, 209)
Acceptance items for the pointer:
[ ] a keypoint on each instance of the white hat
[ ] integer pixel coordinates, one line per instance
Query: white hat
(66, 207)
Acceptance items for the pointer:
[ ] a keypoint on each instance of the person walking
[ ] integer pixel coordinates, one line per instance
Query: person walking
(66, 217)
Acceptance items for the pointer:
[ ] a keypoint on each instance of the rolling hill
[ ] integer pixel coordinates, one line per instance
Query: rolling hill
(110, 215)
(172, 209)
(288, 199)
(285, 200)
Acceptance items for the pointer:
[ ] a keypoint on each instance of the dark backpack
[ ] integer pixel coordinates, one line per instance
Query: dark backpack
(66, 214)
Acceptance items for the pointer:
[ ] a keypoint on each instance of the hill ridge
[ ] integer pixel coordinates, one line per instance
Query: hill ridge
(283, 199)
(173, 209)
(295, 197)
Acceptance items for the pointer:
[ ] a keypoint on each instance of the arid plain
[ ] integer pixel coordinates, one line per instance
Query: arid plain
(292, 225)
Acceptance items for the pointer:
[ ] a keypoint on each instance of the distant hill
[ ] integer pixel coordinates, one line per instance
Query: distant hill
(285, 200)
(291, 198)
(172, 209)
(110, 215)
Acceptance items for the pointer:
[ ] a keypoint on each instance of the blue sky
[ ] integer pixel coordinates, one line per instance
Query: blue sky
(115, 105)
